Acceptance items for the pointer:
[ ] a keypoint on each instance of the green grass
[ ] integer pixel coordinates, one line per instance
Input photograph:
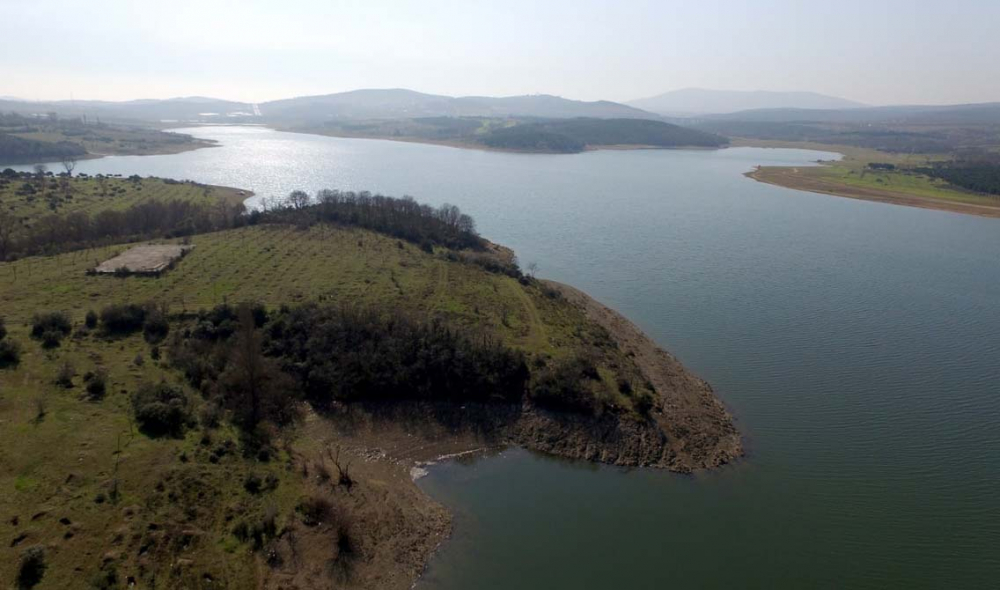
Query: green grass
(90, 195)
(57, 465)
(104, 139)
(852, 171)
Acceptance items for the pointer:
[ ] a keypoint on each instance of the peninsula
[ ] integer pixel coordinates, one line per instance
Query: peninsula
(252, 412)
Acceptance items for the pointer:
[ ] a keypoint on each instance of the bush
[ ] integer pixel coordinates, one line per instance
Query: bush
(64, 378)
(567, 386)
(96, 383)
(32, 567)
(51, 327)
(91, 320)
(161, 409)
(10, 353)
(315, 510)
(156, 328)
(51, 339)
(119, 320)
(3, 329)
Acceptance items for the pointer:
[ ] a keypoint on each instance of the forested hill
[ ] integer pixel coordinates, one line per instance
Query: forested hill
(575, 135)
(15, 150)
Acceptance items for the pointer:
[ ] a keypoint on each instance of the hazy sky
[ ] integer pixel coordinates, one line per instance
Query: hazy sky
(874, 51)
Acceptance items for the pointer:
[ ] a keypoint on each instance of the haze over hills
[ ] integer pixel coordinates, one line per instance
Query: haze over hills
(983, 113)
(700, 101)
(402, 103)
(171, 109)
(357, 104)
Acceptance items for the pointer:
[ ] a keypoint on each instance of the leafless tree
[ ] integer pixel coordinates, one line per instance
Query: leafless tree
(532, 269)
(69, 163)
(299, 199)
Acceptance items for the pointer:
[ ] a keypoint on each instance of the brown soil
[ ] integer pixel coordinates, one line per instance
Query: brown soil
(790, 178)
(690, 429)
(398, 527)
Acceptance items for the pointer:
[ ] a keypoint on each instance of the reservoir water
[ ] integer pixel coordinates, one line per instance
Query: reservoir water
(857, 344)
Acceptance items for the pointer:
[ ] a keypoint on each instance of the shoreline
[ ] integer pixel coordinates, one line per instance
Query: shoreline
(690, 431)
(792, 178)
(466, 145)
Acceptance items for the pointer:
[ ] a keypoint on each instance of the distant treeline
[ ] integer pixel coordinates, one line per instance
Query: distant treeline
(980, 177)
(402, 218)
(574, 135)
(15, 149)
(55, 233)
(884, 136)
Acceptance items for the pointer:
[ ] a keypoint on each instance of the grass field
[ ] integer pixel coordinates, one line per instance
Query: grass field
(106, 140)
(91, 194)
(64, 458)
(850, 177)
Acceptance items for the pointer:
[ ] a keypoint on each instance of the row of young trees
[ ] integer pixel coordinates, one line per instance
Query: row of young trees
(55, 233)
(403, 218)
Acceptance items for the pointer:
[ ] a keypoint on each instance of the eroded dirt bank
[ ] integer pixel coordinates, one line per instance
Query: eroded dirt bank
(387, 447)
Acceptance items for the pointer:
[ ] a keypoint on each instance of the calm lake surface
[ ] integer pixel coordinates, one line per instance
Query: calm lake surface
(858, 345)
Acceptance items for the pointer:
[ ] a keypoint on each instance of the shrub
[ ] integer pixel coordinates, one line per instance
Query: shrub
(567, 386)
(51, 339)
(10, 353)
(119, 319)
(161, 409)
(64, 378)
(155, 328)
(90, 320)
(32, 567)
(96, 383)
(3, 329)
(51, 327)
(315, 510)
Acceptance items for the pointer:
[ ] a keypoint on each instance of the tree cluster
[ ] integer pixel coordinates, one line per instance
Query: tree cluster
(574, 135)
(980, 177)
(364, 354)
(154, 218)
(402, 218)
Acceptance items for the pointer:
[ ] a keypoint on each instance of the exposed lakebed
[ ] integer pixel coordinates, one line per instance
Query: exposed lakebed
(856, 343)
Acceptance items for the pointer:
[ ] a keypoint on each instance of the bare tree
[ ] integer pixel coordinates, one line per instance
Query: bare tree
(69, 163)
(299, 199)
(532, 269)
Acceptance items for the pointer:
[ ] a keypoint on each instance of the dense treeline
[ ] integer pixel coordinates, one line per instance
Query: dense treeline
(533, 138)
(245, 358)
(56, 233)
(401, 218)
(15, 149)
(573, 135)
(885, 136)
(981, 177)
(355, 354)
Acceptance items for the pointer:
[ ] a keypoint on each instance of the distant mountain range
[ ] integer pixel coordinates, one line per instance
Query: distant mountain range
(961, 114)
(698, 101)
(356, 104)
(408, 104)
(707, 109)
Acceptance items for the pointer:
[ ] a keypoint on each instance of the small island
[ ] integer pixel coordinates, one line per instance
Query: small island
(252, 411)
